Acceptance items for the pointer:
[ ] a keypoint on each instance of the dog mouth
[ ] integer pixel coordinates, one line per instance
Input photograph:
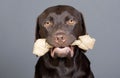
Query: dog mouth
(62, 51)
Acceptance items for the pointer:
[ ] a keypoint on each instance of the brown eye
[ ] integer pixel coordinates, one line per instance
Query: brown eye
(48, 24)
(71, 22)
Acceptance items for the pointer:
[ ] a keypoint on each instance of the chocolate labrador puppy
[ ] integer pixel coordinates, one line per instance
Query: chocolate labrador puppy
(61, 25)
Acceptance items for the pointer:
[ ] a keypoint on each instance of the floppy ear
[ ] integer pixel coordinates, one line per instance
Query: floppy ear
(37, 30)
(83, 32)
(40, 31)
(79, 28)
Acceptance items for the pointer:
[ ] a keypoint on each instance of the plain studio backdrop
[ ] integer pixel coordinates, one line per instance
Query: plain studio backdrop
(17, 27)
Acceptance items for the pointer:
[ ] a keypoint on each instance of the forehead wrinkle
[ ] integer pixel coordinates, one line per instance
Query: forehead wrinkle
(65, 14)
(59, 17)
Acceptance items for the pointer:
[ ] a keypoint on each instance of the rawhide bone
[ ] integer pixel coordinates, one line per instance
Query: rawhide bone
(84, 42)
(41, 47)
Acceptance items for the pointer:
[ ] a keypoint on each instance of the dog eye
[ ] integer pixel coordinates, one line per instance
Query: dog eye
(71, 22)
(48, 24)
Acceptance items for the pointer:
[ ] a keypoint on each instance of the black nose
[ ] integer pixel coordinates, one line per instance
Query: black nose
(60, 38)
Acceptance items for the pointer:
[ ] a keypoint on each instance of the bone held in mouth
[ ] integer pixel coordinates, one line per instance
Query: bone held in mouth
(41, 47)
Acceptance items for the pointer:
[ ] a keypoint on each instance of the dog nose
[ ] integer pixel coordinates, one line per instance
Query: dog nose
(60, 39)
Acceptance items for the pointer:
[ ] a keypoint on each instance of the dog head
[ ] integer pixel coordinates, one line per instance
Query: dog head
(60, 25)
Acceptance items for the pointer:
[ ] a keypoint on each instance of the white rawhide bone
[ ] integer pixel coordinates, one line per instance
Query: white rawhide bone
(84, 42)
(41, 47)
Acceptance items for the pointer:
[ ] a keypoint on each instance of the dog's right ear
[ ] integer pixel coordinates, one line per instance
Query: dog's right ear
(37, 30)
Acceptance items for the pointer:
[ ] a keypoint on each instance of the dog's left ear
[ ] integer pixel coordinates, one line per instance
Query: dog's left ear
(83, 29)
(80, 28)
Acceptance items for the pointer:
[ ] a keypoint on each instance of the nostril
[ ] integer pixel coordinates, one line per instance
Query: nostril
(57, 38)
(60, 38)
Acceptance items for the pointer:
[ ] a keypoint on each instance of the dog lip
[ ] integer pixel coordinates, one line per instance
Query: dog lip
(61, 47)
(62, 51)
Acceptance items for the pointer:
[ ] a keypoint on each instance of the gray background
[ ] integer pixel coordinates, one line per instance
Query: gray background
(17, 27)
